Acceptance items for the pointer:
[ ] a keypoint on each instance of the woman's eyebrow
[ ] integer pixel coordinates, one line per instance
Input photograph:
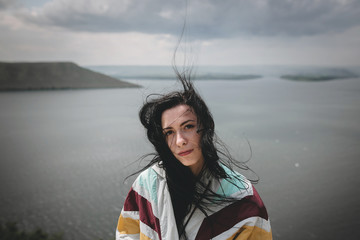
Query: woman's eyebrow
(190, 120)
(167, 128)
(182, 124)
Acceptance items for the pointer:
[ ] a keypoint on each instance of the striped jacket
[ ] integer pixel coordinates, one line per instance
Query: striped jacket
(148, 213)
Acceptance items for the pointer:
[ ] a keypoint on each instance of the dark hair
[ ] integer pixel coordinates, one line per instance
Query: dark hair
(186, 190)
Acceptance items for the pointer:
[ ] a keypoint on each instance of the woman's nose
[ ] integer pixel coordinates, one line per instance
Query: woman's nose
(180, 139)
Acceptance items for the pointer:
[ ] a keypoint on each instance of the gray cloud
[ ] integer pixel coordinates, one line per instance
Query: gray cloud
(6, 4)
(206, 18)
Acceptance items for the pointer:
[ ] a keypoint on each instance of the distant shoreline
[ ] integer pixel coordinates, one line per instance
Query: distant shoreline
(207, 77)
(311, 78)
(230, 73)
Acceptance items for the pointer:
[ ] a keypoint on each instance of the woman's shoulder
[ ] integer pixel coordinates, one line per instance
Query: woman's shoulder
(148, 182)
(150, 177)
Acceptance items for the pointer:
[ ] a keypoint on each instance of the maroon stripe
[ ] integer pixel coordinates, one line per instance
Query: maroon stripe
(131, 201)
(226, 218)
(135, 202)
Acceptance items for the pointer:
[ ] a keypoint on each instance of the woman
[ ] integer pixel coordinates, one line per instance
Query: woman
(189, 190)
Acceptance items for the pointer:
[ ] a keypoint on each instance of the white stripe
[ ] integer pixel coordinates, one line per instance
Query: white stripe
(252, 221)
(148, 231)
(120, 236)
(166, 212)
(130, 214)
(142, 191)
(162, 209)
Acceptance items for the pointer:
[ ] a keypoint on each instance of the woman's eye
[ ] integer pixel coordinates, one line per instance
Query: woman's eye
(189, 126)
(168, 133)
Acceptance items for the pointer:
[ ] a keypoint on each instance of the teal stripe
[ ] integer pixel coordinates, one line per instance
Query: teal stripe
(149, 181)
(235, 184)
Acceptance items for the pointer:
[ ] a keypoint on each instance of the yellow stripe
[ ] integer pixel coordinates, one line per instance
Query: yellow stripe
(251, 233)
(144, 237)
(128, 226)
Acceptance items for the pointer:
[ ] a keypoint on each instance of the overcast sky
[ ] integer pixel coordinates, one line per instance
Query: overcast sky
(218, 32)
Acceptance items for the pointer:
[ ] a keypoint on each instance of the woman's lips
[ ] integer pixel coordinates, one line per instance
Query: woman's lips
(185, 153)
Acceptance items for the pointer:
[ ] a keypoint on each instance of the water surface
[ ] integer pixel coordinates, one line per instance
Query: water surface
(65, 154)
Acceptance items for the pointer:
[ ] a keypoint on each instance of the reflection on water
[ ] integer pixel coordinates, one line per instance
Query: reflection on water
(64, 154)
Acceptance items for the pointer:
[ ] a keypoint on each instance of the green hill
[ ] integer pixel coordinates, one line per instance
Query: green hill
(54, 75)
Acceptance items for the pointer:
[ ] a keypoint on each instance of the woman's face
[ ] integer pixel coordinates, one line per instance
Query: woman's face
(179, 126)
